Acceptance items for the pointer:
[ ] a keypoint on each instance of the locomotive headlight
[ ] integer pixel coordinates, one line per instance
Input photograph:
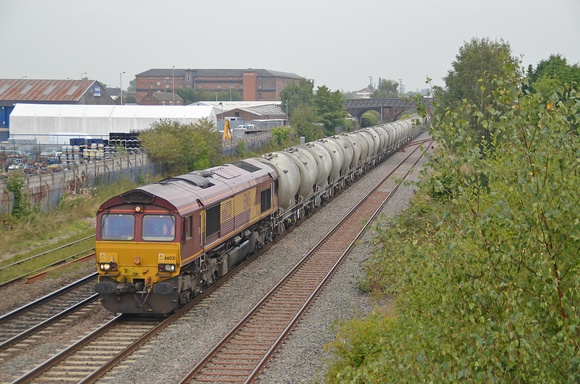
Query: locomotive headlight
(108, 266)
(166, 267)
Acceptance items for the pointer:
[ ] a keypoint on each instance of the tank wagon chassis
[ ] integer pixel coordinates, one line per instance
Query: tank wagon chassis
(160, 245)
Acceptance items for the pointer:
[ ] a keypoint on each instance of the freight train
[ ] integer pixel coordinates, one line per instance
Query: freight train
(160, 245)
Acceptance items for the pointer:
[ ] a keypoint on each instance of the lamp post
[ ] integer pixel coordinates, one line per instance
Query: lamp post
(121, 86)
(222, 105)
(287, 117)
(173, 76)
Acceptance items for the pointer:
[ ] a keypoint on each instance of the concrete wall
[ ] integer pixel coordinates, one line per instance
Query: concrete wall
(46, 190)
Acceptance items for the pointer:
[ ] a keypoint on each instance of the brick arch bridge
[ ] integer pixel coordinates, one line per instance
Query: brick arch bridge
(389, 108)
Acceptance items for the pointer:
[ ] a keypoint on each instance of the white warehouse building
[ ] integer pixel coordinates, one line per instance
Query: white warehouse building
(57, 123)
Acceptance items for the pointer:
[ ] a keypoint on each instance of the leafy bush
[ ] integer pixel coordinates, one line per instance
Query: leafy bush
(488, 280)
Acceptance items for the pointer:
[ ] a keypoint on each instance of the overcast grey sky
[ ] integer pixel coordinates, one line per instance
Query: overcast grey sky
(336, 43)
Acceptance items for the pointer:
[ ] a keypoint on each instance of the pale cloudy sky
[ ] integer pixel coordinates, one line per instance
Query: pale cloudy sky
(336, 43)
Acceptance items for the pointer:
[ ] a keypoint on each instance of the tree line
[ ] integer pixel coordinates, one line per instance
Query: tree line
(484, 264)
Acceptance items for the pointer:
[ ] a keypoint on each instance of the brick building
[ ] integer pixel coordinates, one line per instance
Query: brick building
(253, 84)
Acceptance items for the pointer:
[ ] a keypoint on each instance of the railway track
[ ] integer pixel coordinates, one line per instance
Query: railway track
(242, 354)
(25, 321)
(94, 355)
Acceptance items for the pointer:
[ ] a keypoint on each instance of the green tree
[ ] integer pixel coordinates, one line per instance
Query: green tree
(369, 119)
(187, 94)
(551, 74)
(472, 80)
(488, 280)
(330, 109)
(183, 147)
(15, 185)
(132, 88)
(297, 95)
(387, 88)
(305, 123)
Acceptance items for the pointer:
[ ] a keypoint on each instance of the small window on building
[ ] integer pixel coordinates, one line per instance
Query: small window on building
(159, 83)
(266, 200)
(150, 77)
(212, 220)
(166, 77)
(219, 86)
(188, 78)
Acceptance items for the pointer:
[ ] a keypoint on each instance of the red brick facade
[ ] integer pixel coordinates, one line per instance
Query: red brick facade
(254, 85)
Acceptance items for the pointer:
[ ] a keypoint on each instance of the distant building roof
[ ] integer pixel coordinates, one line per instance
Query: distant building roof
(166, 96)
(168, 72)
(30, 90)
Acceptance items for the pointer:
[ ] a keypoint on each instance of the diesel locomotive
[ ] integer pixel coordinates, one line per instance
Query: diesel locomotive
(160, 245)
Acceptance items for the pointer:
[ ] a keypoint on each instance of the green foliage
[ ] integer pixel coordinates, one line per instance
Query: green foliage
(471, 82)
(296, 96)
(330, 109)
(183, 147)
(488, 280)
(187, 94)
(369, 119)
(281, 135)
(387, 88)
(305, 123)
(551, 74)
(15, 185)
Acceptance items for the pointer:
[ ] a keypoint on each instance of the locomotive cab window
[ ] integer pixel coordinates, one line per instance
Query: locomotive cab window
(117, 227)
(266, 200)
(158, 228)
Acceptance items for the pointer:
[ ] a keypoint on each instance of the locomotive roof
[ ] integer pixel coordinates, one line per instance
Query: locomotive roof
(187, 192)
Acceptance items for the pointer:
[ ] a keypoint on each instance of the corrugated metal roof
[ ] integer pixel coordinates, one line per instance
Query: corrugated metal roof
(24, 90)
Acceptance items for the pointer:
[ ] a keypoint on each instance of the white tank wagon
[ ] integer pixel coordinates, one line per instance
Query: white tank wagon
(308, 170)
(348, 153)
(311, 173)
(323, 160)
(384, 138)
(337, 156)
(371, 144)
(288, 177)
(363, 145)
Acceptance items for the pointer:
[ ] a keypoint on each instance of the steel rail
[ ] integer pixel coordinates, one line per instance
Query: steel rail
(45, 253)
(56, 263)
(46, 298)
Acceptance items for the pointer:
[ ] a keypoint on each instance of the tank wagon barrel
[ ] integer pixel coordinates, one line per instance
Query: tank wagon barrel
(161, 244)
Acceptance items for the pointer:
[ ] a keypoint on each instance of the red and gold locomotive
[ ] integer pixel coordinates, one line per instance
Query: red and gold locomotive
(160, 245)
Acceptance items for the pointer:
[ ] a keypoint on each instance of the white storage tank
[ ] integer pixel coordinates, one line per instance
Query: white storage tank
(337, 155)
(348, 151)
(323, 162)
(288, 177)
(308, 170)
